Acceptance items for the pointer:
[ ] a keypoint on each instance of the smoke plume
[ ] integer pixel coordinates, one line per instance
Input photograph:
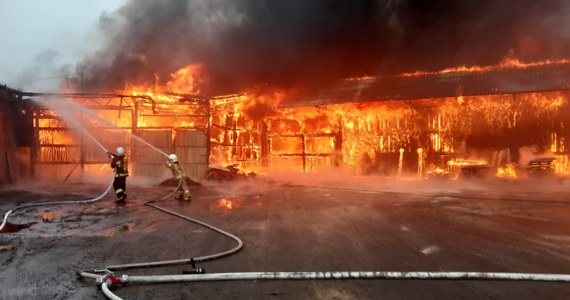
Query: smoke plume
(298, 43)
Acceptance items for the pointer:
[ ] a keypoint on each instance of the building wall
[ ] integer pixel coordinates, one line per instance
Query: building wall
(12, 164)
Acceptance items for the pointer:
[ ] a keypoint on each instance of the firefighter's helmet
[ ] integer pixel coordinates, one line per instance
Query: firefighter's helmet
(120, 151)
(173, 158)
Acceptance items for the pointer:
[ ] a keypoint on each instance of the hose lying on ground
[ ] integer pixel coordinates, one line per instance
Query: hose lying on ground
(109, 281)
(125, 279)
(55, 203)
(92, 273)
(73, 122)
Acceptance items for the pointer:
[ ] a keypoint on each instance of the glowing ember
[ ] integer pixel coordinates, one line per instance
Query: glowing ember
(48, 217)
(508, 171)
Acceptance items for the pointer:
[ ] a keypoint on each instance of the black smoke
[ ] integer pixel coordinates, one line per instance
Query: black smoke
(300, 43)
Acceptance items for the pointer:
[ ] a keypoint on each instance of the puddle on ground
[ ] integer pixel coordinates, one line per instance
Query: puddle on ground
(11, 227)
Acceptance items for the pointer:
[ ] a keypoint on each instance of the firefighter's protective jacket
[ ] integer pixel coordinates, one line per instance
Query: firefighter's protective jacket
(120, 164)
(176, 169)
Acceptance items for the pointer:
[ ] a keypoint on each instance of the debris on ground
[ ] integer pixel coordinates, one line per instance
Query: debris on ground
(125, 228)
(48, 217)
(229, 172)
(7, 247)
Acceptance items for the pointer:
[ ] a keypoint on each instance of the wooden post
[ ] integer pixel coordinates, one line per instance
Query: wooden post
(337, 148)
(264, 144)
(208, 132)
(35, 143)
(134, 131)
(81, 149)
(303, 151)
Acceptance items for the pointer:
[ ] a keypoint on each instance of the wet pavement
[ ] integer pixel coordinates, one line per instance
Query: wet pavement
(356, 225)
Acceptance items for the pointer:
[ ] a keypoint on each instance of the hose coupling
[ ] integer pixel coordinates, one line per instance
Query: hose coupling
(112, 281)
(195, 271)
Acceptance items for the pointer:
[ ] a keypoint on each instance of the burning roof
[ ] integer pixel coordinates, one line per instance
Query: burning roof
(539, 77)
(308, 44)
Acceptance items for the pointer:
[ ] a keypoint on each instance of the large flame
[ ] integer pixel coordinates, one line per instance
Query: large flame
(251, 127)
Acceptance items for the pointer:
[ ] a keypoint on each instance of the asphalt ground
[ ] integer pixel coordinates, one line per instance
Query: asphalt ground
(295, 225)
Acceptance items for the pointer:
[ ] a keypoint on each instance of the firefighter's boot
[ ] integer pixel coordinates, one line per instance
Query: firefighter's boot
(121, 197)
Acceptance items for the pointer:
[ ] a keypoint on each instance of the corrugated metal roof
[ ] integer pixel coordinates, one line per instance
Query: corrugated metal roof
(541, 78)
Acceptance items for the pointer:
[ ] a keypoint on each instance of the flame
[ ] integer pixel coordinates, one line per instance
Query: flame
(167, 99)
(48, 217)
(245, 128)
(506, 63)
(370, 130)
(188, 80)
(225, 204)
(438, 171)
(466, 162)
(507, 171)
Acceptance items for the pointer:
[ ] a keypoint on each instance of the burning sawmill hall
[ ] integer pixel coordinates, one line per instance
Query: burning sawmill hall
(482, 120)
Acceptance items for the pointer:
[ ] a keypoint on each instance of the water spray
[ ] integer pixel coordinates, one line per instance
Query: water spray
(76, 124)
(53, 105)
(76, 107)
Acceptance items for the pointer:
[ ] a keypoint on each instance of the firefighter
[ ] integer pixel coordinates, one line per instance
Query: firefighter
(183, 193)
(120, 163)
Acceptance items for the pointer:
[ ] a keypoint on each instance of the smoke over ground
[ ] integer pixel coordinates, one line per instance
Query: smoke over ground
(300, 43)
(524, 189)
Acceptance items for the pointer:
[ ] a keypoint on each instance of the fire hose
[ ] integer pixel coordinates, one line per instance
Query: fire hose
(92, 273)
(76, 123)
(109, 281)
(125, 279)
(55, 203)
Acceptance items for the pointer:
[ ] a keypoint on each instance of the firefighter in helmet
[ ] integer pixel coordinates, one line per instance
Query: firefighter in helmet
(183, 193)
(119, 162)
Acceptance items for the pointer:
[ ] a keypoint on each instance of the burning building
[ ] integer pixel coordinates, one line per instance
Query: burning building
(13, 143)
(392, 125)
(413, 122)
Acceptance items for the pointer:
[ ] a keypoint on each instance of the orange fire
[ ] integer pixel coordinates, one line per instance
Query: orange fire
(508, 171)
(506, 63)
(367, 130)
(251, 128)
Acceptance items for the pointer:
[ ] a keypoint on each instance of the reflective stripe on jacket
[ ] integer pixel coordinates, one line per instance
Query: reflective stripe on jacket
(120, 164)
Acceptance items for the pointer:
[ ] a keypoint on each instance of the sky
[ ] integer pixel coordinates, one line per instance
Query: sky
(38, 37)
